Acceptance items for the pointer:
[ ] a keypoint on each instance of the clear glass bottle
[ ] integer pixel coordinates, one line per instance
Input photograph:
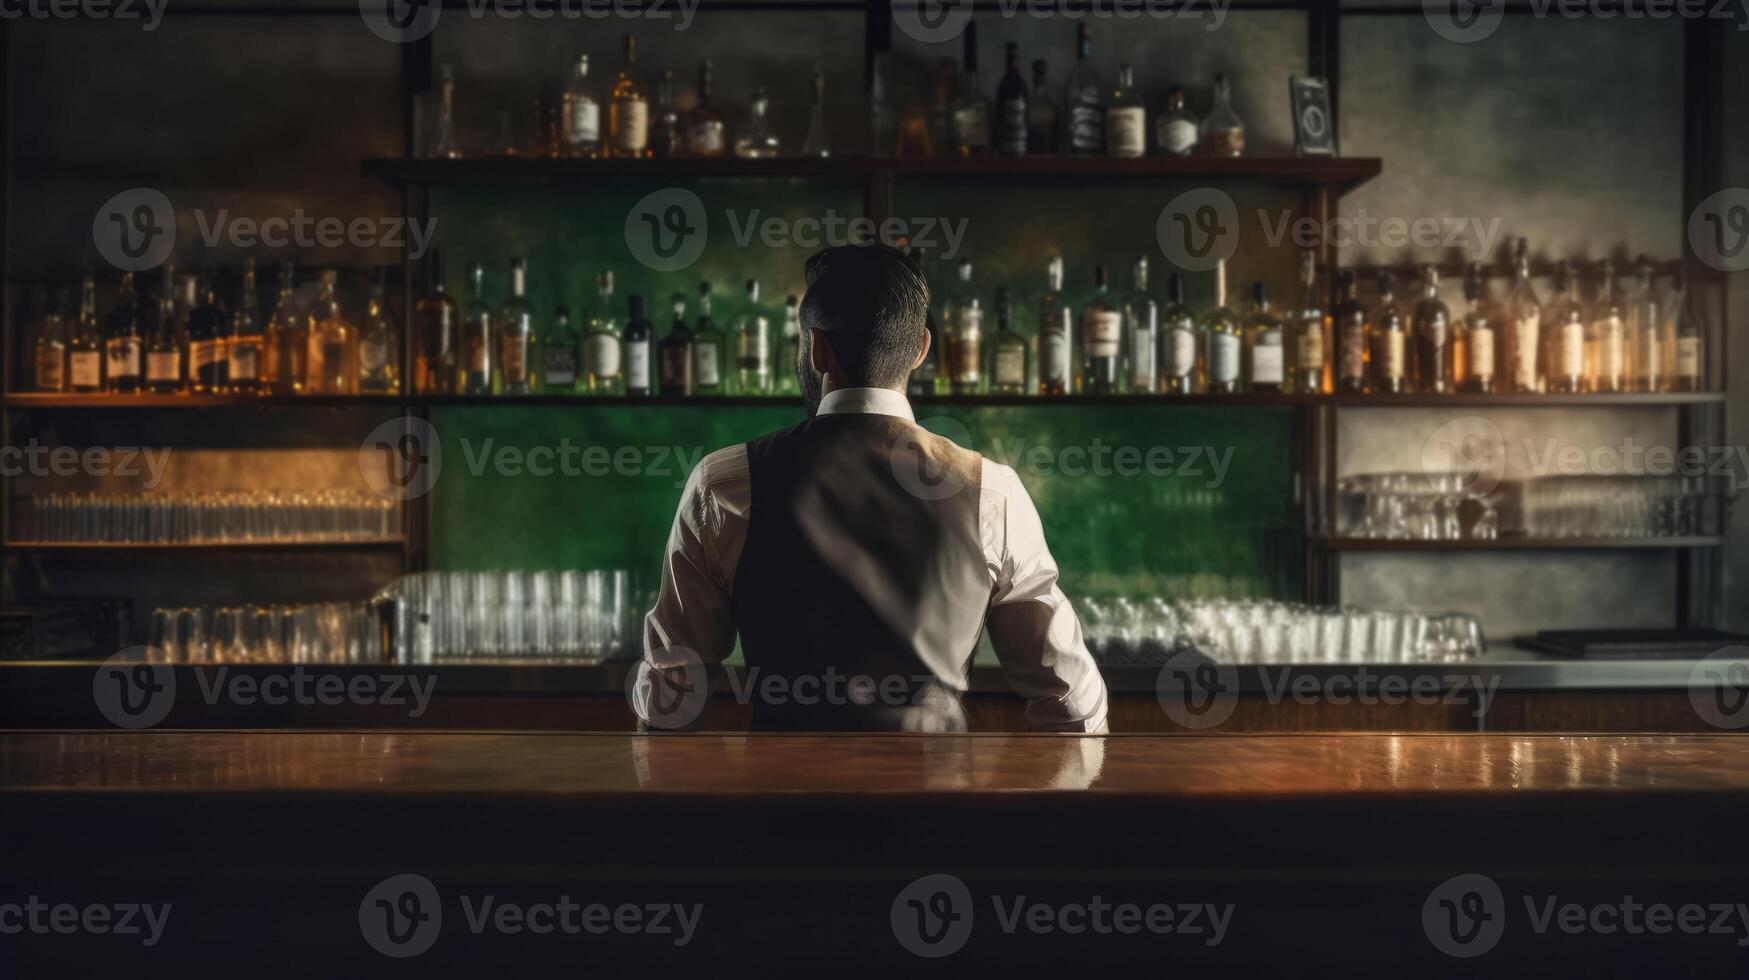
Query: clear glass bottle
(1082, 98)
(1475, 342)
(628, 110)
(285, 368)
(1101, 339)
(971, 110)
(640, 339)
(1353, 328)
(1220, 329)
(1042, 124)
(1141, 333)
(1651, 366)
(603, 347)
(1126, 117)
(1265, 346)
(1181, 343)
(757, 139)
(49, 360)
(1606, 344)
(515, 333)
(1688, 334)
(1011, 106)
(1175, 131)
(666, 137)
(709, 348)
(1390, 350)
(784, 371)
(965, 336)
(676, 362)
(753, 346)
(85, 348)
(816, 144)
(582, 114)
(1523, 349)
(705, 128)
(244, 353)
(1311, 368)
(444, 145)
(1222, 134)
(436, 318)
(477, 340)
(1010, 363)
(1566, 342)
(1056, 335)
(559, 346)
(378, 347)
(167, 351)
(1433, 373)
(333, 356)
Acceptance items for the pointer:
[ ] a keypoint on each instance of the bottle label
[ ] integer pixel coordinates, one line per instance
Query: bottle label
(1572, 350)
(164, 365)
(1013, 132)
(705, 367)
(1612, 354)
(1011, 367)
(1354, 352)
(51, 369)
(1433, 330)
(1223, 358)
(632, 132)
(245, 360)
(1053, 362)
(86, 369)
(964, 358)
(585, 122)
(1311, 350)
(676, 367)
(1650, 356)
(971, 127)
(202, 354)
(1482, 353)
(1391, 354)
(638, 365)
(1526, 335)
(123, 356)
(705, 137)
(1687, 358)
(515, 360)
(1102, 332)
(750, 350)
(1087, 129)
(601, 355)
(1266, 363)
(558, 364)
(1126, 131)
(1181, 356)
(1142, 372)
(373, 356)
(478, 358)
(1178, 137)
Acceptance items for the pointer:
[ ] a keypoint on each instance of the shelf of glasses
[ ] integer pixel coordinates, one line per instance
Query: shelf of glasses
(1473, 400)
(40, 399)
(195, 547)
(1520, 544)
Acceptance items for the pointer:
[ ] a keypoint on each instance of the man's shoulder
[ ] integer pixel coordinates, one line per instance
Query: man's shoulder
(726, 465)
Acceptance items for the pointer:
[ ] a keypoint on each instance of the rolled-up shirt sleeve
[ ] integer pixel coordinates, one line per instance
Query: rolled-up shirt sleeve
(1033, 627)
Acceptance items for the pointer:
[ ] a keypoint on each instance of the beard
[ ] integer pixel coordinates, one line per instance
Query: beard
(809, 381)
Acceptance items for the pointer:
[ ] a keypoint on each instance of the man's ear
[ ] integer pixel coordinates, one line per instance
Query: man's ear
(820, 352)
(923, 350)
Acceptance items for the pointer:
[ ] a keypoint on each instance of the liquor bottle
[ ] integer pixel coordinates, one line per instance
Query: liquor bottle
(1175, 131)
(285, 354)
(1008, 375)
(1390, 351)
(507, 143)
(1474, 344)
(1311, 374)
(378, 344)
(1220, 328)
(209, 335)
(582, 114)
(333, 357)
(1126, 117)
(1689, 333)
(676, 358)
(1265, 347)
(640, 336)
(1101, 339)
(628, 111)
(85, 349)
(436, 318)
(753, 346)
(1522, 358)
(1651, 371)
(785, 370)
(1086, 112)
(1566, 357)
(1433, 373)
(1353, 328)
(603, 348)
(815, 144)
(705, 129)
(926, 377)
(1222, 134)
(1607, 343)
(166, 352)
(246, 355)
(1142, 334)
(1056, 335)
(971, 111)
(1041, 114)
(757, 139)
(50, 356)
(1181, 367)
(559, 345)
(965, 336)
(709, 348)
(476, 346)
(443, 136)
(515, 333)
(666, 137)
(1011, 107)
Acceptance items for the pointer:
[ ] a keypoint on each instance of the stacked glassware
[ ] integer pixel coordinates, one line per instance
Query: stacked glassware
(578, 616)
(1147, 631)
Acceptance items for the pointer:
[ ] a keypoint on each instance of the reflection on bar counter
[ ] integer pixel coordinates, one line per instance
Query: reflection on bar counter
(1124, 631)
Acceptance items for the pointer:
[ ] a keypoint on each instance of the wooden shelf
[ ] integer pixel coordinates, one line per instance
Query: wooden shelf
(135, 549)
(1518, 544)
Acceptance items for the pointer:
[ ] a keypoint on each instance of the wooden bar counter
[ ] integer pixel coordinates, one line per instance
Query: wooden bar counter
(804, 851)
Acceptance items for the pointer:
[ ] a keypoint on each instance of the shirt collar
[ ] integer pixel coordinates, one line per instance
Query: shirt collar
(866, 401)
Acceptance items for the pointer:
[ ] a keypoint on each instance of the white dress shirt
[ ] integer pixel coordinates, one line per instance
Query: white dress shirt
(1052, 670)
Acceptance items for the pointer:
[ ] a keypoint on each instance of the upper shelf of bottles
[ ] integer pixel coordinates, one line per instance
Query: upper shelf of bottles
(1342, 174)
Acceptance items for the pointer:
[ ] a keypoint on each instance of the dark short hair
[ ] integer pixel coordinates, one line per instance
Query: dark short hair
(871, 301)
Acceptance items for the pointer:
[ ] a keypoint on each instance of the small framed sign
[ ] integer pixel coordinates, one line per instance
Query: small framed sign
(1314, 128)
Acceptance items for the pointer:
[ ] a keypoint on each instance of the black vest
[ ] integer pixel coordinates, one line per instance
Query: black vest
(862, 585)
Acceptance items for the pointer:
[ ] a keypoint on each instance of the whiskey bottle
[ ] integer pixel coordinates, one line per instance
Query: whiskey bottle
(1688, 329)
(245, 352)
(1101, 339)
(705, 128)
(1011, 107)
(1086, 111)
(815, 144)
(1222, 134)
(1265, 347)
(559, 345)
(788, 355)
(757, 139)
(666, 137)
(1142, 333)
(1220, 327)
(1126, 117)
(333, 356)
(1646, 333)
(640, 337)
(285, 361)
(1474, 343)
(582, 114)
(515, 333)
(166, 353)
(1566, 357)
(628, 111)
(436, 319)
(965, 337)
(1433, 361)
(1181, 366)
(709, 348)
(603, 348)
(1311, 374)
(676, 357)
(1041, 114)
(1390, 352)
(753, 346)
(1175, 132)
(1607, 343)
(971, 111)
(1353, 324)
(476, 343)
(1056, 335)
(209, 334)
(1009, 370)
(1522, 358)
(85, 348)
(378, 347)
(49, 361)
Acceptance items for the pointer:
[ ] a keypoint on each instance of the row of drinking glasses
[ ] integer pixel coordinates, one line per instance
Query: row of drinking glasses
(1626, 507)
(1277, 632)
(1416, 507)
(587, 616)
(324, 633)
(222, 517)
